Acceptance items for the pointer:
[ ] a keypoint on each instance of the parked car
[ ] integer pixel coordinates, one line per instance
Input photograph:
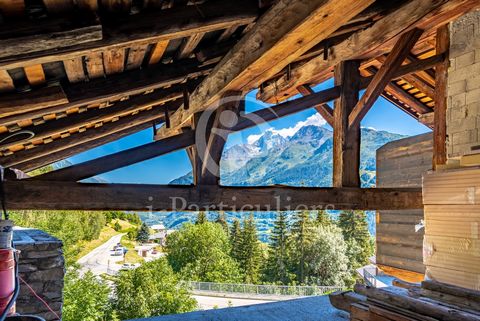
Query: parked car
(128, 266)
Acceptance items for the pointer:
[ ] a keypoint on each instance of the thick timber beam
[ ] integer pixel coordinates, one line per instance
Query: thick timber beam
(281, 35)
(346, 140)
(370, 42)
(50, 195)
(146, 28)
(384, 75)
(440, 111)
(323, 109)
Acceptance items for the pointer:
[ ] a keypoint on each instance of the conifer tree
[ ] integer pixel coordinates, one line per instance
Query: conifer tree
(222, 220)
(355, 232)
(201, 217)
(250, 252)
(143, 233)
(277, 268)
(323, 218)
(301, 237)
(236, 239)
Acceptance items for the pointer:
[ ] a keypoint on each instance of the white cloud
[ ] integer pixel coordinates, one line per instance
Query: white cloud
(371, 128)
(315, 120)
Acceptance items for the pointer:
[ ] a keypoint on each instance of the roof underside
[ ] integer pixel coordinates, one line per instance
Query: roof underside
(78, 74)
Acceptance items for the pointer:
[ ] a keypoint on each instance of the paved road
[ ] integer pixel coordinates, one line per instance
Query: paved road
(99, 260)
(210, 302)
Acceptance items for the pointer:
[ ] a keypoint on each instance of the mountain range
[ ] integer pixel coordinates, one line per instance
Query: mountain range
(304, 158)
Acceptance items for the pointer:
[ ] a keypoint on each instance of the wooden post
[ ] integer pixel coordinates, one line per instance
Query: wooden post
(440, 113)
(346, 141)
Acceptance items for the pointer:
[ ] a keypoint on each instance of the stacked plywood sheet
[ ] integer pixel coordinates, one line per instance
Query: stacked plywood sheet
(451, 251)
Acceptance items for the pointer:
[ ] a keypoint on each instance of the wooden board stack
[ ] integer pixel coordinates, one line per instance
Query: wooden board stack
(411, 302)
(451, 251)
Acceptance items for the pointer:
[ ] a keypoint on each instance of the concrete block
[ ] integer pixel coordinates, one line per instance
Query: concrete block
(465, 137)
(464, 73)
(477, 54)
(458, 101)
(465, 60)
(473, 110)
(457, 87)
(473, 83)
(472, 96)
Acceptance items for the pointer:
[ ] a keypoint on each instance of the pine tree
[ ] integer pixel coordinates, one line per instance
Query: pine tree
(355, 232)
(143, 234)
(301, 236)
(323, 218)
(222, 220)
(201, 217)
(277, 264)
(250, 252)
(236, 239)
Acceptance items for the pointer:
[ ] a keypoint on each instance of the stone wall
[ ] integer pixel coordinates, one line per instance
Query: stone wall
(463, 112)
(42, 266)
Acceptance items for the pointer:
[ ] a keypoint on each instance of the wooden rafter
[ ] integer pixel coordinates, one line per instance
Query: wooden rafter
(323, 109)
(282, 34)
(150, 27)
(380, 80)
(48, 195)
(369, 43)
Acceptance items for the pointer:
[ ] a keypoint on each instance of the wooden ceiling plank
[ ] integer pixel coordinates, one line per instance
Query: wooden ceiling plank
(35, 75)
(281, 35)
(384, 75)
(17, 103)
(323, 109)
(58, 6)
(94, 64)
(371, 42)
(48, 195)
(12, 8)
(6, 82)
(74, 69)
(114, 61)
(147, 28)
(407, 99)
(98, 115)
(188, 45)
(158, 52)
(30, 38)
(117, 6)
(136, 55)
(119, 86)
(227, 33)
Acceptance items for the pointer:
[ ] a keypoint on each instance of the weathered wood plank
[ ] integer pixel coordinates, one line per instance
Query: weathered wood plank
(13, 8)
(158, 52)
(323, 109)
(148, 27)
(114, 60)
(12, 104)
(280, 36)
(94, 64)
(371, 42)
(136, 54)
(188, 45)
(440, 113)
(384, 75)
(69, 196)
(74, 69)
(6, 82)
(35, 75)
(58, 6)
(346, 140)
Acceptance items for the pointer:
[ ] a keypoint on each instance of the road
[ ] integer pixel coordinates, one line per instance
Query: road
(211, 302)
(99, 260)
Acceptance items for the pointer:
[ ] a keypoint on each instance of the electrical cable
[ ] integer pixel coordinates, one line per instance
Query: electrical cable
(21, 132)
(4, 314)
(39, 298)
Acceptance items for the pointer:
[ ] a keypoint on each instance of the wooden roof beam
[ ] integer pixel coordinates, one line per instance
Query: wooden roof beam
(118, 87)
(281, 35)
(323, 109)
(384, 75)
(50, 195)
(150, 27)
(371, 42)
(103, 164)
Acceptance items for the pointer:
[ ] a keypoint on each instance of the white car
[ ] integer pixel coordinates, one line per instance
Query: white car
(128, 266)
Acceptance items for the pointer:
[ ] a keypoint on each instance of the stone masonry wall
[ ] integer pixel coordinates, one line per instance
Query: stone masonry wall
(463, 112)
(42, 266)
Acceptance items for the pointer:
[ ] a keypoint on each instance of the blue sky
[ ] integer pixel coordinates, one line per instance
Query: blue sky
(161, 170)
